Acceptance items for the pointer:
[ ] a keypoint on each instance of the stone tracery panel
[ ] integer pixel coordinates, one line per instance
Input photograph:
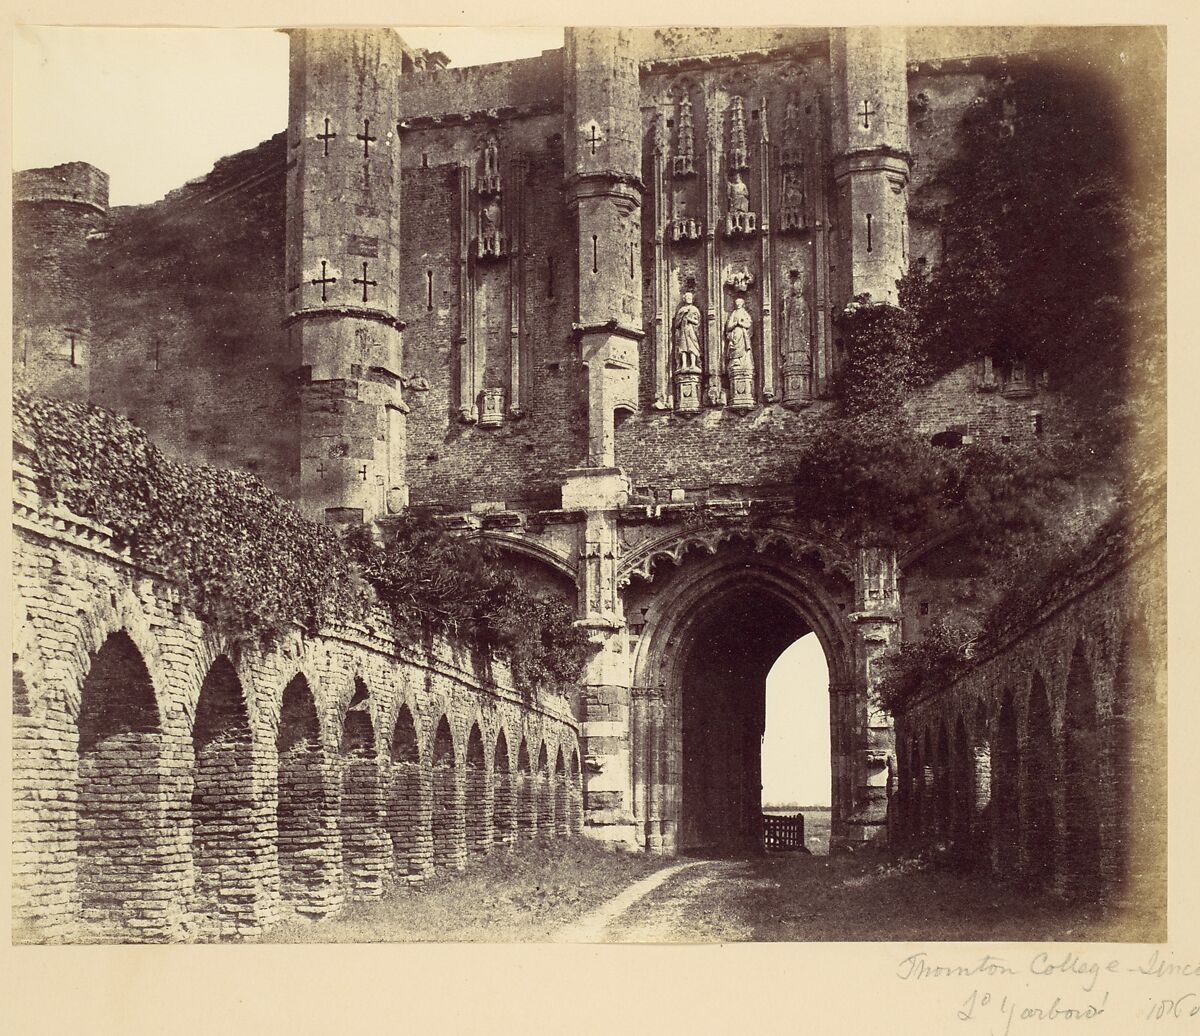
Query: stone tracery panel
(738, 169)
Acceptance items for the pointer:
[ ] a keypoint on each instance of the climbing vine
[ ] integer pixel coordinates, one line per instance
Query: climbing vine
(253, 564)
(873, 480)
(1051, 218)
(941, 655)
(881, 359)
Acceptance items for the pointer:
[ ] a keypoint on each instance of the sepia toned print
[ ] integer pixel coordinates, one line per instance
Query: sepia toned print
(410, 512)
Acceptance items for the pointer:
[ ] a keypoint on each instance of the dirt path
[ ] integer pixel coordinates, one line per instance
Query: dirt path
(593, 926)
(689, 907)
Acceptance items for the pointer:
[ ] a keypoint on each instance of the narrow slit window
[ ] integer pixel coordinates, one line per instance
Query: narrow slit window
(429, 289)
(74, 353)
(631, 248)
(868, 232)
(595, 254)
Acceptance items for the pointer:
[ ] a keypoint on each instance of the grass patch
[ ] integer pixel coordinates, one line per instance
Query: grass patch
(507, 897)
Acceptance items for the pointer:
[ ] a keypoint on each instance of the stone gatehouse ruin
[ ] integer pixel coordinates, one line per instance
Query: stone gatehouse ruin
(588, 308)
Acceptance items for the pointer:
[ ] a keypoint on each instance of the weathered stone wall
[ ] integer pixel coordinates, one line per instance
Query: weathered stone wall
(57, 215)
(165, 785)
(189, 293)
(188, 336)
(1048, 757)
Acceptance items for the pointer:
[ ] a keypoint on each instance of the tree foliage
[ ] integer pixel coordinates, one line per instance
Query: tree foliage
(1053, 229)
(1052, 219)
(874, 480)
(941, 655)
(252, 564)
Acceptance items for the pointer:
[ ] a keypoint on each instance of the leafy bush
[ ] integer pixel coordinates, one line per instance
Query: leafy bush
(873, 480)
(253, 564)
(933, 662)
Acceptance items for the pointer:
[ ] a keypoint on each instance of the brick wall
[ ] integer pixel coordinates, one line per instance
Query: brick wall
(1046, 758)
(173, 783)
(189, 304)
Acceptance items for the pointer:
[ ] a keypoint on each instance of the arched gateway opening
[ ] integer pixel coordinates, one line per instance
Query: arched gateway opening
(714, 630)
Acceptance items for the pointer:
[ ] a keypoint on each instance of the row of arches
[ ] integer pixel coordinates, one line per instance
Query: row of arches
(1063, 783)
(209, 839)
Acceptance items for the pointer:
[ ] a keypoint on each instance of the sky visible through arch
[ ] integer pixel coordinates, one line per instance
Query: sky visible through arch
(795, 751)
(155, 108)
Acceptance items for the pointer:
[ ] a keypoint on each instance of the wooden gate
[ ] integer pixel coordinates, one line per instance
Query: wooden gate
(783, 833)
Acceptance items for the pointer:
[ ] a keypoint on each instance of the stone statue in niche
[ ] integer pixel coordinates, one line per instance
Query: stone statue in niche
(684, 228)
(686, 328)
(686, 334)
(489, 168)
(491, 235)
(738, 219)
(797, 343)
(738, 195)
(791, 209)
(739, 354)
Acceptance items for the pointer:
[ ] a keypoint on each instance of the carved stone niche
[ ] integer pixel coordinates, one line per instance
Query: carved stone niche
(739, 220)
(738, 155)
(740, 278)
(1017, 382)
(491, 243)
(792, 202)
(985, 376)
(684, 229)
(491, 408)
(687, 391)
(491, 246)
(741, 224)
(683, 162)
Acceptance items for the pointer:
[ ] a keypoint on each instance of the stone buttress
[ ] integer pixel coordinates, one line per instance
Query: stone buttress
(603, 161)
(342, 268)
(871, 160)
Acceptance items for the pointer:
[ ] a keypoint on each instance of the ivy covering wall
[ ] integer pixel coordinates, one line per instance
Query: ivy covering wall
(1052, 217)
(253, 564)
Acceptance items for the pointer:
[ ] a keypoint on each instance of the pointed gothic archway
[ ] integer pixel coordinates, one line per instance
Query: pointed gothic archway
(713, 630)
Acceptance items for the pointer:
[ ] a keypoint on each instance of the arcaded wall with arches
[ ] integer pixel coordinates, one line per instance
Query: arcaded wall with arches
(174, 783)
(1049, 758)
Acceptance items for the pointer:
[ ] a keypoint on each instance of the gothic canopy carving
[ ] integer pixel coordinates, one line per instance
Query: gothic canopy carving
(639, 562)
